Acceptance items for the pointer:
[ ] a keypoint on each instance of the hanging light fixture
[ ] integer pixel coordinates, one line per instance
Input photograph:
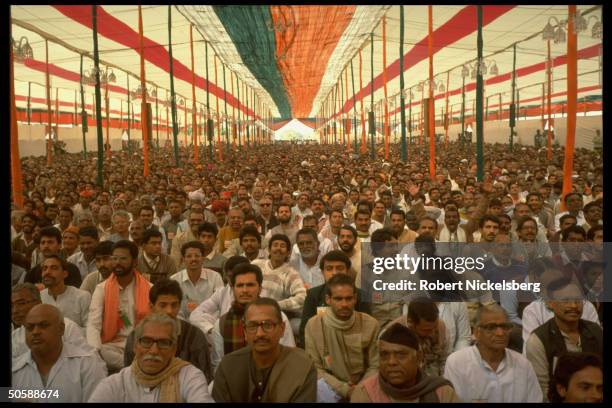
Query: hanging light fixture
(465, 71)
(22, 50)
(89, 77)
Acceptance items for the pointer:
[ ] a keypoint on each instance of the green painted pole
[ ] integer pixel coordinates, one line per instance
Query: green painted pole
(175, 129)
(96, 55)
(83, 112)
(479, 93)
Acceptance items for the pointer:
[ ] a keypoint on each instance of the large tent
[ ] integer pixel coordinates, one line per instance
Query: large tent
(252, 64)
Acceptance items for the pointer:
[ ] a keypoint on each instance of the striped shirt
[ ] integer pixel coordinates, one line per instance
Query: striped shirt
(283, 284)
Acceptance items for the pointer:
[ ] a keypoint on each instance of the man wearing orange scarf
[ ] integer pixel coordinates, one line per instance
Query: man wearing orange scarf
(118, 304)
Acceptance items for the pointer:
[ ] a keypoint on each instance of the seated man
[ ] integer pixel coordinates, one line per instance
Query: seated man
(489, 371)
(247, 245)
(104, 265)
(153, 263)
(52, 364)
(566, 331)
(307, 260)
(72, 302)
(165, 297)
(332, 263)
(209, 311)
(197, 282)
(341, 342)
(155, 375)
(265, 371)
(228, 331)
(117, 305)
(399, 378)
(578, 378)
(423, 320)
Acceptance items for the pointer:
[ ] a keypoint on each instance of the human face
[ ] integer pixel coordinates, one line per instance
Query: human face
(236, 218)
(521, 210)
(221, 217)
(49, 246)
(265, 207)
(193, 259)
(153, 247)
(379, 209)
(342, 301)
(123, 262)
(427, 227)
(21, 303)
(88, 246)
(309, 247)
(317, 207)
(528, 232)
(52, 273)
(362, 222)
(346, 240)
(489, 231)
(535, 203)
(331, 268)
(121, 224)
(64, 218)
(278, 252)
(169, 305)
(136, 230)
(336, 220)
(250, 245)
(398, 364)
(154, 359)
(195, 220)
(105, 213)
(593, 214)
(246, 288)
(397, 224)
(567, 304)
(175, 210)
(493, 332)
(303, 201)
(574, 203)
(146, 216)
(70, 241)
(105, 265)
(208, 240)
(568, 222)
(451, 219)
(283, 214)
(263, 342)
(425, 329)
(585, 385)
(43, 330)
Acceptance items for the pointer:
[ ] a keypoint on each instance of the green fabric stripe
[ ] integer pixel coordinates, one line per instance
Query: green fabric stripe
(256, 44)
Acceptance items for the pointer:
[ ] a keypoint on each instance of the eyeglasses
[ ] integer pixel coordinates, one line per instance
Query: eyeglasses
(493, 327)
(162, 344)
(267, 326)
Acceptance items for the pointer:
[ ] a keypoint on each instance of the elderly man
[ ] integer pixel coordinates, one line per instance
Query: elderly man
(24, 297)
(121, 225)
(306, 262)
(235, 219)
(489, 371)
(156, 374)
(165, 297)
(69, 372)
(198, 283)
(72, 302)
(153, 262)
(265, 371)
(399, 378)
(228, 332)
(117, 305)
(281, 281)
(341, 342)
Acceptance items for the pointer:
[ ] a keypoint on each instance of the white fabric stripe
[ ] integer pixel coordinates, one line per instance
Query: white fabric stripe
(211, 28)
(363, 22)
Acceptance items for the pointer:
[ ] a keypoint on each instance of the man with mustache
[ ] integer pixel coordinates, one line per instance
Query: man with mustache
(578, 378)
(307, 261)
(349, 244)
(489, 371)
(566, 331)
(399, 377)
(341, 342)
(285, 227)
(53, 364)
(156, 374)
(117, 305)
(104, 266)
(228, 332)
(265, 370)
(72, 302)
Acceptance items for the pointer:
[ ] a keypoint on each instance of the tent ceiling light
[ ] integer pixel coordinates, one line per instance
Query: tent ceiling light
(22, 50)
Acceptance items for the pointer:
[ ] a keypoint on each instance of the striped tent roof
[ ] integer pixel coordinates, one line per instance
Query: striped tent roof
(292, 57)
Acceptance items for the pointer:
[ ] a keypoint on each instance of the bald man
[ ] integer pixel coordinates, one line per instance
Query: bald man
(52, 364)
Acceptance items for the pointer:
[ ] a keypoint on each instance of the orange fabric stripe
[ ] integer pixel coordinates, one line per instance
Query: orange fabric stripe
(303, 54)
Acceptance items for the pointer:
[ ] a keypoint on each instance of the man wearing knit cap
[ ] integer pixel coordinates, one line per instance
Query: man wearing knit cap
(399, 378)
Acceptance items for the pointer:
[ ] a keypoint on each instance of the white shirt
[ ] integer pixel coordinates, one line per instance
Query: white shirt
(457, 321)
(73, 303)
(122, 387)
(85, 267)
(72, 334)
(217, 341)
(475, 380)
(209, 282)
(580, 218)
(536, 314)
(311, 275)
(74, 375)
(127, 305)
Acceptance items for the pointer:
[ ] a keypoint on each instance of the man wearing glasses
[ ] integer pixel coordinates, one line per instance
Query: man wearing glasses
(228, 333)
(264, 370)
(155, 375)
(489, 371)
